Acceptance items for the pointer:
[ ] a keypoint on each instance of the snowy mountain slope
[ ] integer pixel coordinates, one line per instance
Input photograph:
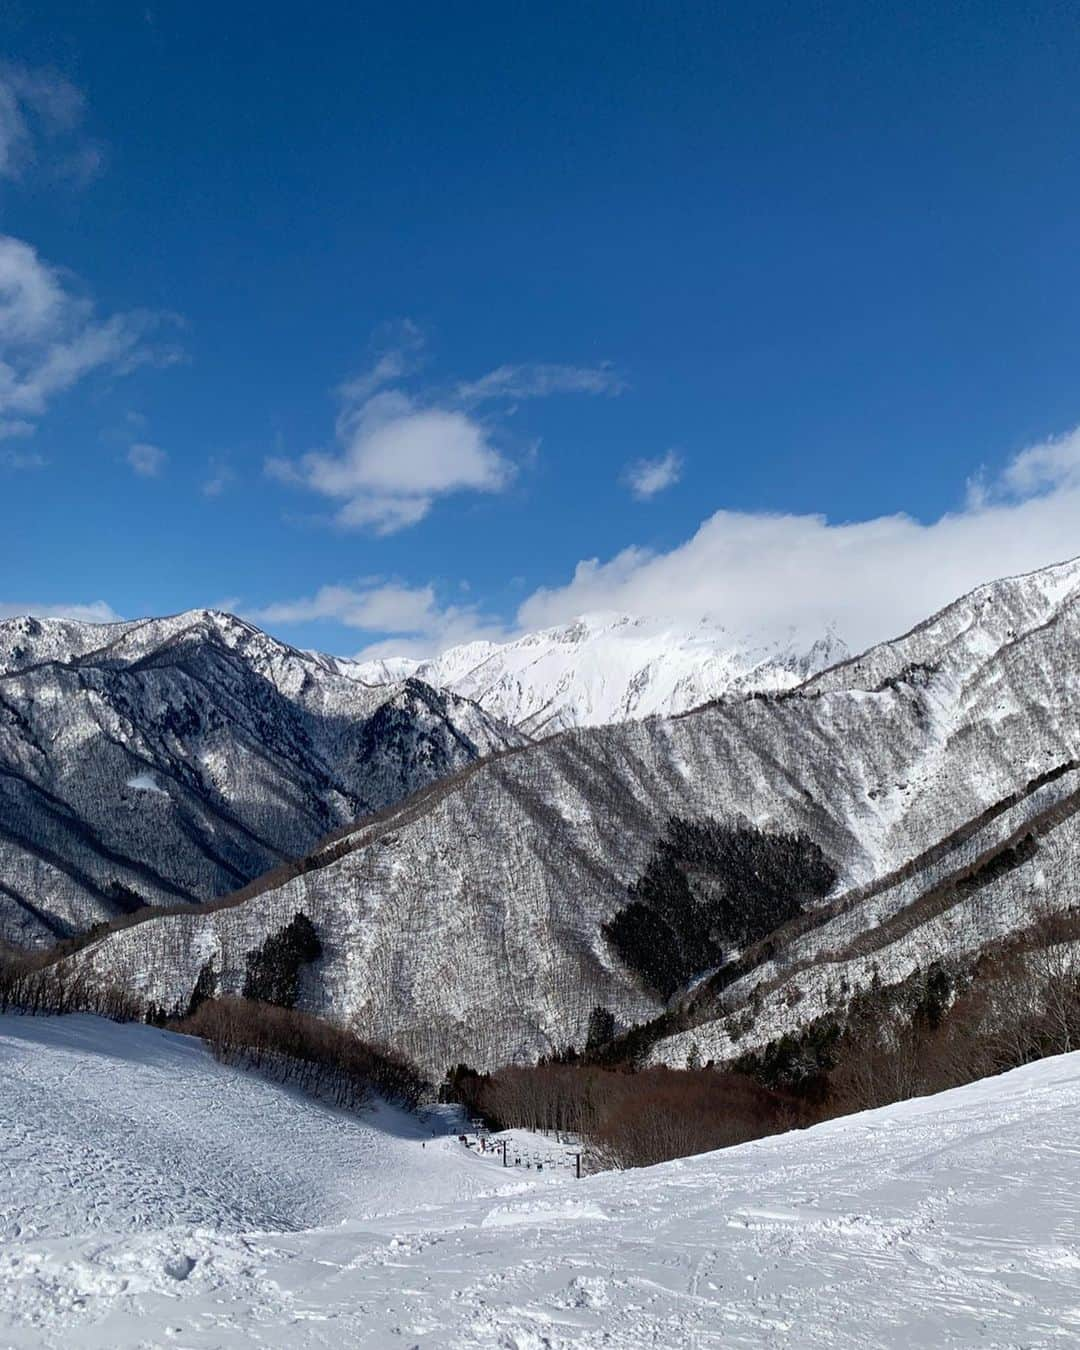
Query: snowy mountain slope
(999, 880)
(177, 758)
(607, 668)
(1000, 873)
(468, 922)
(948, 1220)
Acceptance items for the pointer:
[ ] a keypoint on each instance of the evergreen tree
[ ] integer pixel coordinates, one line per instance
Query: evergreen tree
(273, 970)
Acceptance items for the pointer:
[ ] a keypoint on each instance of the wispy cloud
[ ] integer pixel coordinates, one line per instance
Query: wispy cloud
(646, 477)
(386, 607)
(94, 611)
(41, 116)
(219, 478)
(412, 614)
(147, 460)
(21, 459)
(50, 337)
(15, 427)
(540, 380)
(10, 458)
(398, 347)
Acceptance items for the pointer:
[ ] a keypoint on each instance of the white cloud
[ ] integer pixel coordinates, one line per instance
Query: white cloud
(14, 426)
(22, 459)
(11, 429)
(220, 477)
(147, 460)
(389, 607)
(50, 338)
(399, 352)
(398, 453)
(40, 126)
(1048, 466)
(412, 613)
(539, 380)
(396, 458)
(646, 477)
(95, 611)
(873, 579)
(761, 574)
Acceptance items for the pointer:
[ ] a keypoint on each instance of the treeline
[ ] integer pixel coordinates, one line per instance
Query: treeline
(326, 1060)
(627, 1118)
(261, 1030)
(947, 1025)
(34, 983)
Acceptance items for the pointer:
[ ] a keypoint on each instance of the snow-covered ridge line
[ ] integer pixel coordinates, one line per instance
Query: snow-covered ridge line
(1022, 598)
(609, 668)
(468, 924)
(256, 750)
(96, 712)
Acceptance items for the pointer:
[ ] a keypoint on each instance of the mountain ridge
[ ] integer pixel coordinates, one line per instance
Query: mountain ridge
(469, 923)
(150, 761)
(609, 668)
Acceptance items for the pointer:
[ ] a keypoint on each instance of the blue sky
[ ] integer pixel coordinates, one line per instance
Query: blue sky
(393, 325)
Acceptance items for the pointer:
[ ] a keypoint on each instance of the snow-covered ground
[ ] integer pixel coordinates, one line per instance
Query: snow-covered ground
(153, 1198)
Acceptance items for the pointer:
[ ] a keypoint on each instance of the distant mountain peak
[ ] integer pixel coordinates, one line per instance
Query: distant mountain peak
(609, 667)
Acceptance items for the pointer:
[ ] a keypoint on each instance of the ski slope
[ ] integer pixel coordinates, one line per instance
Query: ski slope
(154, 1198)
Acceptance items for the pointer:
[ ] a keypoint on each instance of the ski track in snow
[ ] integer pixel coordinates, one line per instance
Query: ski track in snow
(154, 1198)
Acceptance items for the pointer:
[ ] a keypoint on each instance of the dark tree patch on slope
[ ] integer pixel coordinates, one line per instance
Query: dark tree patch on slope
(273, 970)
(709, 888)
(601, 1030)
(205, 988)
(124, 898)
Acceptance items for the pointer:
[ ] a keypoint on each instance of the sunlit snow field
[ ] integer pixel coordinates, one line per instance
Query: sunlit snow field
(151, 1197)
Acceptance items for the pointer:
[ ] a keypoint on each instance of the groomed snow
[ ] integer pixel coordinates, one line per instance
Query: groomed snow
(152, 1198)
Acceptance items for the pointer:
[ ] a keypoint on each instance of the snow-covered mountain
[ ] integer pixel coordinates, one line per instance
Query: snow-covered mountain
(609, 668)
(175, 759)
(153, 1197)
(470, 923)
